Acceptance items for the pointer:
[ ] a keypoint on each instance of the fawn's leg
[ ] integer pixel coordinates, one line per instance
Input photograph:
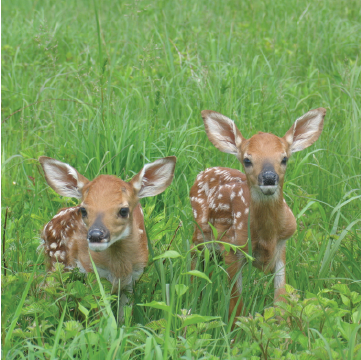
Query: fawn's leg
(122, 301)
(280, 277)
(234, 266)
(202, 233)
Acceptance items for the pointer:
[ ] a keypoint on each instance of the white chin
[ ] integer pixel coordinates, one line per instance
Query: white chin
(269, 190)
(98, 246)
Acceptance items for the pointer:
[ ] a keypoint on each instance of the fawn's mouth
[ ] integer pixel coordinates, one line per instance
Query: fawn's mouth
(99, 245)
(268, 189)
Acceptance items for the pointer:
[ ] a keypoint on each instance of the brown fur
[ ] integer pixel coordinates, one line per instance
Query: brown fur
(226, 197)
(98, 227)
(65, 242)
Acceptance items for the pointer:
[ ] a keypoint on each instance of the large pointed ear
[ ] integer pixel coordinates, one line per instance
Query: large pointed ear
(155, 177)
(306, 130)
(63, 178)
(222, 132)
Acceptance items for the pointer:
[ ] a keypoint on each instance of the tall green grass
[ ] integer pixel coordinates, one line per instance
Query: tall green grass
(109, 86)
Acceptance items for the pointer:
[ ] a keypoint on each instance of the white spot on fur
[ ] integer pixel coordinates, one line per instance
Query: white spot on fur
(238, 215)
(223, 207)
(199, 236)
(197, 200)
(205, 188)
(53, 245)
(63, 212)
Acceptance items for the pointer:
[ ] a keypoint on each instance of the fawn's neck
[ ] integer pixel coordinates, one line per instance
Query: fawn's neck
(266, 216)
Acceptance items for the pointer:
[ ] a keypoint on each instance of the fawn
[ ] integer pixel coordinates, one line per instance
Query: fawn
(226, 197)
(108, 224)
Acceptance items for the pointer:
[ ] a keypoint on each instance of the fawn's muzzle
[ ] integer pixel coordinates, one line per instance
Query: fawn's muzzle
(268, 181)
(98, 235)
(268, 178)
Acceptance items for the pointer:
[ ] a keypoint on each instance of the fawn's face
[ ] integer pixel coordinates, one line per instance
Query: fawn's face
(107, 211)
(107, 201)
(264, 156)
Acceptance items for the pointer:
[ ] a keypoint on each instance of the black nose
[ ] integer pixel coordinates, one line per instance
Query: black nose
(269, 178)
(96, 235)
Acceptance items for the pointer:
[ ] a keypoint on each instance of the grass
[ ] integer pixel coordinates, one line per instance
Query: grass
(109, 86)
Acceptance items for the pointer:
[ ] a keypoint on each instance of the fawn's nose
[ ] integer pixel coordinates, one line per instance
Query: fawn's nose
(96, 235)
(269, 178)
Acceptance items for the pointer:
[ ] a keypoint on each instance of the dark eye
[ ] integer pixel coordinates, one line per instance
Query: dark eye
(247, 162)
(83, 212)
(124, 212)
(284, 161)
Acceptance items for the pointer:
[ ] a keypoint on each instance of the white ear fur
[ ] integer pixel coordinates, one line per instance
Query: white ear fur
(63, 178)
(222, 132)
(306, 130)
(155, 177)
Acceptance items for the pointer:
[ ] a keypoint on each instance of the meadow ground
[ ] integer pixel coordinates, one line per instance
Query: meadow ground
(108, 86)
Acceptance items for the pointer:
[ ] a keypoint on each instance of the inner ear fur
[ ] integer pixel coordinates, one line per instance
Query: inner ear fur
(305, 130)
(155, 177)
(222, 132)
(62, 177)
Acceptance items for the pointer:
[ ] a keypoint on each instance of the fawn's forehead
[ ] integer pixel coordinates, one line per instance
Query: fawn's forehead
(107, 189)
(265, 145)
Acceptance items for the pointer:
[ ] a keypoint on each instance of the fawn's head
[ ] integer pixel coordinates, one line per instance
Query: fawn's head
(107, 202)
(264, 156)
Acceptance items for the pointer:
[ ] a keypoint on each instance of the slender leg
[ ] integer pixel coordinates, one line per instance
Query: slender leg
(234, 266)
(280, 277)
(122, 301)
(199, 236)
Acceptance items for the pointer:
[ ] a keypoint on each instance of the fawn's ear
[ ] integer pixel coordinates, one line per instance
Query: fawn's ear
(222, 132)
(63, 178)
(155, 177)
(305, 130)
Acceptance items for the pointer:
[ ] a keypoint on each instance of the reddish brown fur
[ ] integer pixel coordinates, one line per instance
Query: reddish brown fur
(65, 241)
(226, 197)
(99, 227)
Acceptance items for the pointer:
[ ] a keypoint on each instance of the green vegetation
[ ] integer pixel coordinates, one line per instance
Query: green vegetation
(108, 86)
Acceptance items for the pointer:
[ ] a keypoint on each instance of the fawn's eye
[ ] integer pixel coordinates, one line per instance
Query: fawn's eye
(247, 162)
(123, 212)
(284, 161)
(83, 212)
